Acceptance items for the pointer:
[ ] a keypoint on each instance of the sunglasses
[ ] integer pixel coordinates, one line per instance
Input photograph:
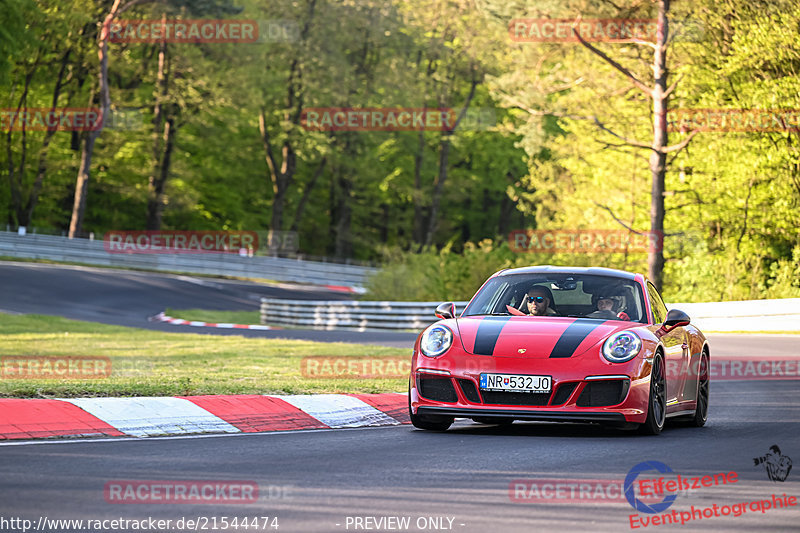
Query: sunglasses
(537, 299)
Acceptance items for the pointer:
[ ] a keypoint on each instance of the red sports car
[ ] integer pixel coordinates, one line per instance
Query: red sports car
(565, 345)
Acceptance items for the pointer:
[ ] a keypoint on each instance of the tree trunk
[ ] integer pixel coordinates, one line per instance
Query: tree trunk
(343, 244)
(155, 204)
(659, 93)
(82, 187)
(438, 187)
(15, 183)
(301, 207)
(41, 170)
(444, 158)
(658, 157)
(418, 222)
(84, 172)
(344, 239)
(163, 133)
(82, 183)
(282, 178)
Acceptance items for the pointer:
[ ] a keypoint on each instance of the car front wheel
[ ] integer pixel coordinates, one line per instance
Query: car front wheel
(657, 404)
(429, 422)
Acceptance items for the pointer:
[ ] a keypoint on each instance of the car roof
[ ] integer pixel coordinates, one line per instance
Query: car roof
(549, 269)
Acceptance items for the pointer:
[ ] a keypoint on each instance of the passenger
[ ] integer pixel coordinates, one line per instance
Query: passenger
(538, 302)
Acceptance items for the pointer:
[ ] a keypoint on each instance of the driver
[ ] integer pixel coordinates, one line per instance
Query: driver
(537, 302)
(605, 307)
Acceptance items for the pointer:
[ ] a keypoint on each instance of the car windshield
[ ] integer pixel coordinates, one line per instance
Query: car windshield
(566, 295)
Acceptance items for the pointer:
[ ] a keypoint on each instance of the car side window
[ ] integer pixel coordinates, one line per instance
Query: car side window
(656, 304)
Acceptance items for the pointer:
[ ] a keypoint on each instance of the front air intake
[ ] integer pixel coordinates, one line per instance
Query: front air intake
(436, 389)
(563, 393)
(603, 393)
(470, 390)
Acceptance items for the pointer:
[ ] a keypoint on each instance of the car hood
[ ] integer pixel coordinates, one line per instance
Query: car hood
(533, 337)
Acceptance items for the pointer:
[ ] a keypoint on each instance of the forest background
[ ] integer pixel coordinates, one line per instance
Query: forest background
(209, 136)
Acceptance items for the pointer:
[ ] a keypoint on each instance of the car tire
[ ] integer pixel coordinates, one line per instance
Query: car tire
(703, 386)
(657, 399)
(494, 420)
(429, 422)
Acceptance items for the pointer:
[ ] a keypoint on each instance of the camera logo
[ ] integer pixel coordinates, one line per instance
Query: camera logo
(778, 465)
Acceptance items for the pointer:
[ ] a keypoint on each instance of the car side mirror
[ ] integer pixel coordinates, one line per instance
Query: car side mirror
(446, 310)
(675, 318)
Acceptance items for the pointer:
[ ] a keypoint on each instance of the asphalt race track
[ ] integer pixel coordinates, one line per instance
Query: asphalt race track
(314, 480)
(338, 480)
(128, 298)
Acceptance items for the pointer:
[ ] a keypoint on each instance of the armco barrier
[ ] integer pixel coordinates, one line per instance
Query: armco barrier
(360, 316)
(754, 315)
(92, 252)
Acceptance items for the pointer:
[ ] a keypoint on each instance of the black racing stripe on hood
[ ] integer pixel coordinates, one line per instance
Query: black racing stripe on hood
(488, 331)
(573, 336)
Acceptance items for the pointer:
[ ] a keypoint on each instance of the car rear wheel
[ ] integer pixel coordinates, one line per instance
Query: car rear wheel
(703, 383)
(657, 404)
(429, 422)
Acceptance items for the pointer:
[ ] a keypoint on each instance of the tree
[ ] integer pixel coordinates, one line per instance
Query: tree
(659, 93)
(84, 172)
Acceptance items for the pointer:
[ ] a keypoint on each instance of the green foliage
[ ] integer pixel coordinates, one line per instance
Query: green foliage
(442, 275)
(732, 199)
(437, 275)
(14, 36)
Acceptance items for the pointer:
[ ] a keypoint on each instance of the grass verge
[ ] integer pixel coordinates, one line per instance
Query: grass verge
(152, 363)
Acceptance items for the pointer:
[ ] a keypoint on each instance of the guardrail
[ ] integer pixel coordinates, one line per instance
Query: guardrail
(359, 316)
(92, 252)
(753, 315)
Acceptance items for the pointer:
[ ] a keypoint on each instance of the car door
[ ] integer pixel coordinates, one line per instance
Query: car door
(676, 350)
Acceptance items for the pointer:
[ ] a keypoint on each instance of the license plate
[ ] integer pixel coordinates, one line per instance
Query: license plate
(515, 383)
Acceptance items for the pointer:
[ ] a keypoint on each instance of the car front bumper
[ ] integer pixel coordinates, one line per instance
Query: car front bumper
(584, 389)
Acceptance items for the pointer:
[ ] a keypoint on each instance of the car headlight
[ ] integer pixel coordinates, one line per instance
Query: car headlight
(436, 340)
(622, 346)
